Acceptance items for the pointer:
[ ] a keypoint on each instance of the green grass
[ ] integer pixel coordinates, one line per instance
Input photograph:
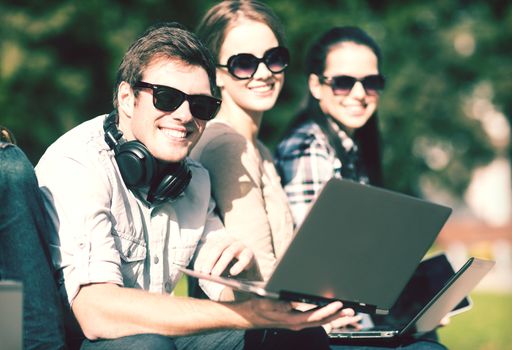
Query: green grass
(487, 326)
(181, 288)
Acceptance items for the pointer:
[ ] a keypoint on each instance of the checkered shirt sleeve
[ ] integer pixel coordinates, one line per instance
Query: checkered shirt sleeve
(305, 161)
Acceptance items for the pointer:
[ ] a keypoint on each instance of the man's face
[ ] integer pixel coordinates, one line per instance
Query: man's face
(169, 136)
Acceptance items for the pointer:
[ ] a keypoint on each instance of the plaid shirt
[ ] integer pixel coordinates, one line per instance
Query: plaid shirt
(306, 161)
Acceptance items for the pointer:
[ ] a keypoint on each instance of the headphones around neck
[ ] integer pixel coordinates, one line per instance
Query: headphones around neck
(140, 169)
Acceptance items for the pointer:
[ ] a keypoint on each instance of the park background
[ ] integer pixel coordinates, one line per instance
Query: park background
(445, 114)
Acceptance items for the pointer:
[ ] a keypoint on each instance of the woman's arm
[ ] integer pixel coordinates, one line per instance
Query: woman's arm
(235, 173)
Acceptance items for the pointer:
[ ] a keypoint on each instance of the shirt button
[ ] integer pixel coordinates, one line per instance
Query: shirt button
(156, 260)
(168, 287)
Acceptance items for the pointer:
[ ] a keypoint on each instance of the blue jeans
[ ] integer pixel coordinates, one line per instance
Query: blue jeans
(217, 340)
(24, 255)
(312, 338)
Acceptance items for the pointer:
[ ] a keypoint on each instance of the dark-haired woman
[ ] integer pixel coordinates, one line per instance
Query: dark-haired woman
(336, 135)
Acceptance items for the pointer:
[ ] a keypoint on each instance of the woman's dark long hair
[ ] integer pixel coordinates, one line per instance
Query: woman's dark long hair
(368, 136)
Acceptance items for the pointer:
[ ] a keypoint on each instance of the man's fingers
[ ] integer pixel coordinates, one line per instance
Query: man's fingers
(221, 254)
(348, 312)
(445, 321)
(346, 321)
(297, 320)
(280, 314)
(327, 313)
(209, 257)
(227, 257)
(245, 259)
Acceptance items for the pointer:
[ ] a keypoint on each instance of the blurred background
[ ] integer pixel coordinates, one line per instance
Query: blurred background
(445, 114)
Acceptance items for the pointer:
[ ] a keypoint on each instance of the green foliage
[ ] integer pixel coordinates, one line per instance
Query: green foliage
(58, 61)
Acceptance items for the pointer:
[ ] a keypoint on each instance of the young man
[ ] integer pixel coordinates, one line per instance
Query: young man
(130, 207)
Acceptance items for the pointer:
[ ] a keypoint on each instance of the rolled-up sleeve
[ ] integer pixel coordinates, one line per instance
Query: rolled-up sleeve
(78, 195)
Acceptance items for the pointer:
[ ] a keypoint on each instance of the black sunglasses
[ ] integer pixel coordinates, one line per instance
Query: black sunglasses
(245, 65)
(168, 99)
(343, 84)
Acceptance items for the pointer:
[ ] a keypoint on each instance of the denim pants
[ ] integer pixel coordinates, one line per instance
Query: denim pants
(270, 339)
(312, 338)
(24, 255)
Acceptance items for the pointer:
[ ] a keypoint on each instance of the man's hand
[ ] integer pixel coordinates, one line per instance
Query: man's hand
(351, 321)
(217, 256)
(267, 313)
(445, 321)
(349, 318)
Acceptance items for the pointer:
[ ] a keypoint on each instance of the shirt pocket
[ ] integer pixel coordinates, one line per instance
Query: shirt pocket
(132, 250)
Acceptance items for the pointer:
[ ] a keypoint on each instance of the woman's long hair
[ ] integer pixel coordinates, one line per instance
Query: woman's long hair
(366, 137)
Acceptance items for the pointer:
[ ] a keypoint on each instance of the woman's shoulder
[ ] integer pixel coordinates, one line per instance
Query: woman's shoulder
(301, 138)
(215, 136)
(264, 151)
(215, 130)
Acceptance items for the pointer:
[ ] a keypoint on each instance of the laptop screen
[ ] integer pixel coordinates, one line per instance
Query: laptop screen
(428, 279)
(348, 223)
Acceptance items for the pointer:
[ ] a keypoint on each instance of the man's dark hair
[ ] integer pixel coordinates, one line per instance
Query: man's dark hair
(164, 40)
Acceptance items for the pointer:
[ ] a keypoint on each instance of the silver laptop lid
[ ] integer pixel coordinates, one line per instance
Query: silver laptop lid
(429, 278)
(459, 286)
(358, 243)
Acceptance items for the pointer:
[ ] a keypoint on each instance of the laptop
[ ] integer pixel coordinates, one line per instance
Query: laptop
(358, 243)
(11, 314)
(420, 308)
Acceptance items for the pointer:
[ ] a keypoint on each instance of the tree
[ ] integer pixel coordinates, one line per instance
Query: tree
(58, 60)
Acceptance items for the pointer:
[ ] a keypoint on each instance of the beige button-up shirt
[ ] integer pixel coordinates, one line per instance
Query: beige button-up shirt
(105, 233)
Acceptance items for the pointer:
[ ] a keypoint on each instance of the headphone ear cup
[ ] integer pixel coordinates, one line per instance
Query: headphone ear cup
(136, 164)
(172, 184)
(139, 168)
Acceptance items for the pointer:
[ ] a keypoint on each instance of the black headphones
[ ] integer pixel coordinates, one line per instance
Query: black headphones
(140, 169)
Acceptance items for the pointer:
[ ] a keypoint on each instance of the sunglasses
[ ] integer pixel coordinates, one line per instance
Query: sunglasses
(343, 84)
(245, 65)
(168, 99)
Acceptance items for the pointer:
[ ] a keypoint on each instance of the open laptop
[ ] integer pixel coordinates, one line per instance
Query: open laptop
(11, 315)
(359, 244)
(416, 312)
